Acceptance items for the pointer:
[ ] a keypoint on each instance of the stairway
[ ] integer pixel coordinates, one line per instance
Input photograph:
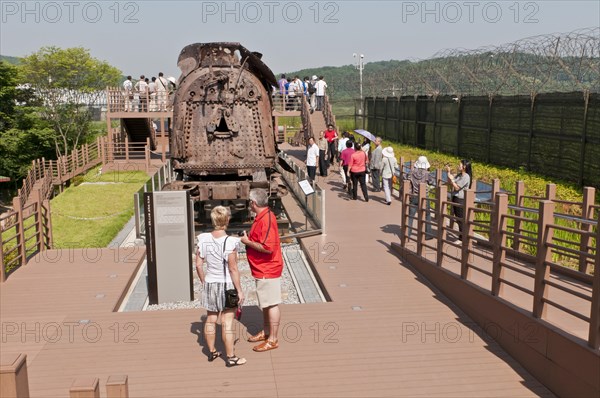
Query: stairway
(318, 124)
(138, 129)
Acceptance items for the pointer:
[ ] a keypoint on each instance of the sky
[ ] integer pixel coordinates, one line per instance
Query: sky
(144, 37)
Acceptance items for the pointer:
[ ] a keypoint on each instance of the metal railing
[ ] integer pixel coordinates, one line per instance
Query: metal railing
(313, 204)
(162, 176)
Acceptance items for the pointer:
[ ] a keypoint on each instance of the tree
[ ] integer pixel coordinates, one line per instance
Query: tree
(68, 81)
(24, 136)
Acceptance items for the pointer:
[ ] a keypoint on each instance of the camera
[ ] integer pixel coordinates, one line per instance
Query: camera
(241, 233)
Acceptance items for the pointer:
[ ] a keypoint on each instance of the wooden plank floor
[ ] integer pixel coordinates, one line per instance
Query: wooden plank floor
(387, 332)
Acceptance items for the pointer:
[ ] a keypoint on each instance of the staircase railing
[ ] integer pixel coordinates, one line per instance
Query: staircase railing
(328, 113)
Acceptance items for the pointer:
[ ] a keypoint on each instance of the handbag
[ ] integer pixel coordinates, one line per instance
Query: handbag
(231, 295)
(395, 170)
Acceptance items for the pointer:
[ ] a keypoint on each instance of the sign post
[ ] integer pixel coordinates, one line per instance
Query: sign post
(307, 188)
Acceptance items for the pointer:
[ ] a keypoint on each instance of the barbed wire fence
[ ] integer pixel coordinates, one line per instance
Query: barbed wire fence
(563, 62)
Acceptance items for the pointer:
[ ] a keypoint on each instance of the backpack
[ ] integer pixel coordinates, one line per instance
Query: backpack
(311, 88)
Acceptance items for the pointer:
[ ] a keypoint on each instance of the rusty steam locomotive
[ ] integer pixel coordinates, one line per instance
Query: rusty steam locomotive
(223, 141)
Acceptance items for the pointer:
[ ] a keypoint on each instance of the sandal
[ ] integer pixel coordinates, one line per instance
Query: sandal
(266, 346)
(260, 336)
(213, 355)
(235, 361)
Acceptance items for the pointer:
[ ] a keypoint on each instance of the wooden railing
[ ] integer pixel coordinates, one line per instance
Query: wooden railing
(496, 230)
(328, 113)
(14, 381)
(119, 100)
(287, 104)
(26, 229)
(30, 233)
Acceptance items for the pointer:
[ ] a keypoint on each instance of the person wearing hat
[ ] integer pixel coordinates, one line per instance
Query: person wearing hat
(387, 172)
(419, 174)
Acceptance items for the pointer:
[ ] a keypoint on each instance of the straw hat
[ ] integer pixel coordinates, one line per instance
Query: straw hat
(422, 163)
(388, 152)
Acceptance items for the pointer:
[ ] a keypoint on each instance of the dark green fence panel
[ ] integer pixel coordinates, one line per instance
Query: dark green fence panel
(555, 134)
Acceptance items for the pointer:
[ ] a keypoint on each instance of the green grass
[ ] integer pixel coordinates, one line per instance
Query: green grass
(91, 215)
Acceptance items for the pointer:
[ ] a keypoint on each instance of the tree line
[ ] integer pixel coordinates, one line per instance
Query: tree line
(45, 103)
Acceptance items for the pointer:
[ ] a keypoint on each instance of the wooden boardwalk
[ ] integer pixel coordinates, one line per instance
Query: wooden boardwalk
(387, 331)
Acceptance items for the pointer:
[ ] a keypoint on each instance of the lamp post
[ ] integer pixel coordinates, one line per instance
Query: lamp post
(360, 66)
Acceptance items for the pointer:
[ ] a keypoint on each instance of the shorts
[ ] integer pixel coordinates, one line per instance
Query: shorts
(268, 292)
(213, 296)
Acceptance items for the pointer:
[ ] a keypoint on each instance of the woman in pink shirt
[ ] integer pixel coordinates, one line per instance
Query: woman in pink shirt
(357, 168)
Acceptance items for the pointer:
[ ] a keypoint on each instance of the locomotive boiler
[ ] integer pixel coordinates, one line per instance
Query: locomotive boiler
(223, 142)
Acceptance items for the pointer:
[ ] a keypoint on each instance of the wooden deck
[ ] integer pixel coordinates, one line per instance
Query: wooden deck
(387, 331)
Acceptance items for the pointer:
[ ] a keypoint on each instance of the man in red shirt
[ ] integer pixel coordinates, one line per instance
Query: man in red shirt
(266, 264)
(331, 135)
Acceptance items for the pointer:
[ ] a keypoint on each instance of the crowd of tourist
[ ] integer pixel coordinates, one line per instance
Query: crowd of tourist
(360, 161)
(291, 90)
(148, 94)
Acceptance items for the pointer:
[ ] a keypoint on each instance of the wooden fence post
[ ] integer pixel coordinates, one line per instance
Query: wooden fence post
(498, 239)
(495, 188)
(19, 233)
(440, 210)
(63, 161)
(37, 197)
(14, 381)
(401, 179)
(467, 230)
(85, 388)
(126, 148)
(147, 154)
(48, 224)
(2, 271)
(404, 210)
(421, 212)
(519, 192)
(75, 156)
(550, 191)
(594, 335)
(117, 387)
(544, 254)
(587, 213)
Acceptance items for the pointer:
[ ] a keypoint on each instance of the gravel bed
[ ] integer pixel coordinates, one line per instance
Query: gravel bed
(289, 292)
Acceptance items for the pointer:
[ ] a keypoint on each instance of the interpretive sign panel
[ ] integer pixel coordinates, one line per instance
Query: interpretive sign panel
(169, 246)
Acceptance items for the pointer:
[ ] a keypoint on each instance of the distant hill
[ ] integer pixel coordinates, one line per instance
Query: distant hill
(10, 60)
(473, 74)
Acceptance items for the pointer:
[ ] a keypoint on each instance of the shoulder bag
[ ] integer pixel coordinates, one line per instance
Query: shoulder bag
(231, 296)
